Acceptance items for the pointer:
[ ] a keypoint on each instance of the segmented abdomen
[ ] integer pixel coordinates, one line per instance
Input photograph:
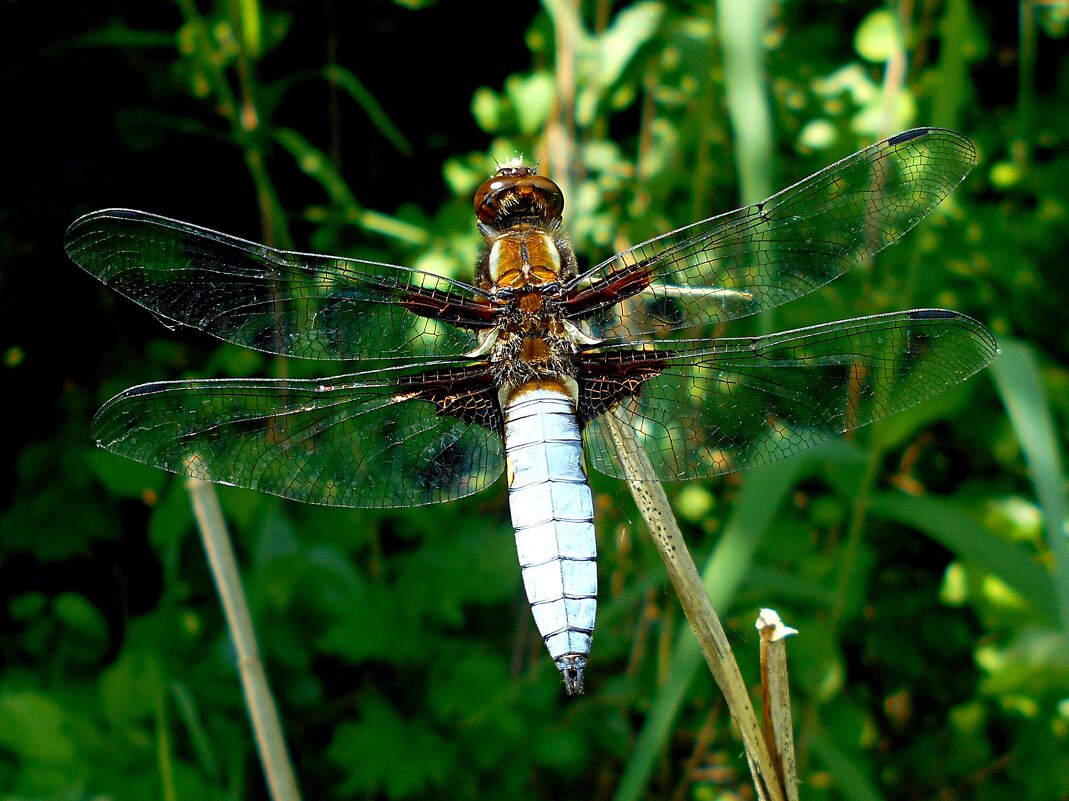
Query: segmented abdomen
(553, 514)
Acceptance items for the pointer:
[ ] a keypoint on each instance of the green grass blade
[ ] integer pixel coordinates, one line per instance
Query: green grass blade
(354, 87)
(1021, 387)
(850, 782)
(947, 523)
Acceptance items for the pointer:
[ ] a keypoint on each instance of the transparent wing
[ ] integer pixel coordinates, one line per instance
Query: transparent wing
(764, 255)
(731, 404)
(296, 304)
(367, 439)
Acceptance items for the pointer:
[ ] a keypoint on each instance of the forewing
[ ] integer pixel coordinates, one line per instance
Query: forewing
(764, 255)
(717, 407)
(296, 304)
(369, 440)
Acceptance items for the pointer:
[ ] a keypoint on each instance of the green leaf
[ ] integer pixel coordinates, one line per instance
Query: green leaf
(34, 727)
(251, 27)
(354, 87)
(851, 779)
(1035, 665)
(532, 97)
(125, 477)
(456, 674)
(562, 749)
(384, 752)
(172, 517)
(26, 606)
(1021, 388)
(315, 163)
(488, 109)
(878, 37)
(371, 624)
(903, 426)
(947, 523)
(76, 612)
(606, 58)
(131, 687)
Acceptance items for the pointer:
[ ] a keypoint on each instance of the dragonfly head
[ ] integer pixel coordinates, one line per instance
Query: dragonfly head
(518, 194)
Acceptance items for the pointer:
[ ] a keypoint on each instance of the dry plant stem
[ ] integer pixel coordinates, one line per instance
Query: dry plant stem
(894, 75)
(281, 783)
(776, 702)
(655, 510)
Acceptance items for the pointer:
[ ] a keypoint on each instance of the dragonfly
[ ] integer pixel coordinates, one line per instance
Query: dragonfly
(526, 369)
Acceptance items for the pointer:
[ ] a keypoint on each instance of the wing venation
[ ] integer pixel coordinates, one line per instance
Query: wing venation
(295, 304)
(761, 256)
(372, 439)
(711, 407)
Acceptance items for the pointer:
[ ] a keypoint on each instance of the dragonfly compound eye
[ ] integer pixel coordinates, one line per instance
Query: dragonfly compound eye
(515, 193)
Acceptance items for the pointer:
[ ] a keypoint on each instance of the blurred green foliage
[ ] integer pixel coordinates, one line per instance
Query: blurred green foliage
(923, 560)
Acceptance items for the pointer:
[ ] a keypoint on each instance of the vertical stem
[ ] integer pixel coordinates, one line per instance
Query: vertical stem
(263, 713)
(657, 512)
(1026, 97)
(560, 128)
(847, 566)
(333, 47)
(776, 699)
(741, 25)
(247, 128)
(951, 91)
(894, 74)
(163, 750)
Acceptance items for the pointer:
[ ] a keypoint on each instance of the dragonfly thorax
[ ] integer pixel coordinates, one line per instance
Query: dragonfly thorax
(519, 358)
(524, 269)
(523, 257)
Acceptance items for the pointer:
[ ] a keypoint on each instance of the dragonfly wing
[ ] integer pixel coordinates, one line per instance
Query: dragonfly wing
(764, 255)
(700, 408)
(296, 304)
(394, 437)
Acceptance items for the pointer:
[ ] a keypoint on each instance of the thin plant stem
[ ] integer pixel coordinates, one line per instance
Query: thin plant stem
(1026, 92)
(246, 126)
(741, 26)
(894, 74)
(560, 134)
(847, 567)
(163, 750)
(657, 512)
(263, 714)
(776, 699)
